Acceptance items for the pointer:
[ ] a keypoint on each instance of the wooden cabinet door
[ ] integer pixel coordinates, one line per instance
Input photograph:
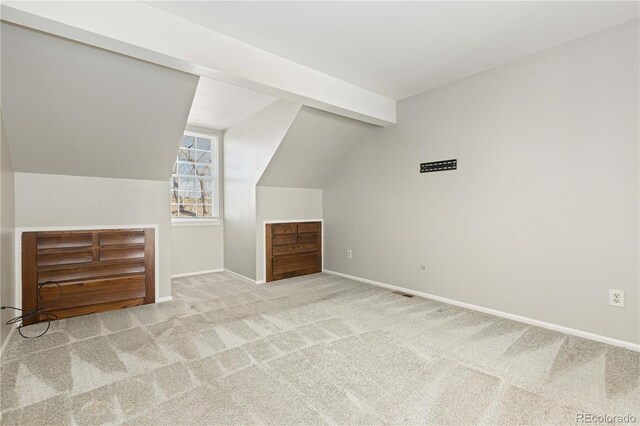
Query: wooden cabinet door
(293, 249)
(71, 273)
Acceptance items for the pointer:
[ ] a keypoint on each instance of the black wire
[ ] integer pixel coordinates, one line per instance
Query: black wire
(39, 312)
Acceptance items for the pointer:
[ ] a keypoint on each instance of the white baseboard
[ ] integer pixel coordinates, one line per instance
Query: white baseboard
(164, 299)
(6, 341)
(261, 282)
(531, 321)
(242, 277)
(190, 274)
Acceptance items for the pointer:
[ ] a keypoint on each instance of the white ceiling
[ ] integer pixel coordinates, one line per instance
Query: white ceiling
(219, 105)
(399, 49)
(72, 109)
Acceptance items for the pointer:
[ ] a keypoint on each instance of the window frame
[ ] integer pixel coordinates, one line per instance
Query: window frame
(215, 137)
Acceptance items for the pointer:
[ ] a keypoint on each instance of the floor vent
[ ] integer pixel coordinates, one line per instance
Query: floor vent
(402, 294)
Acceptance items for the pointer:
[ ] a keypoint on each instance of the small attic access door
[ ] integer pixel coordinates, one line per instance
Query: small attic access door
(71, 273)
(293, 249)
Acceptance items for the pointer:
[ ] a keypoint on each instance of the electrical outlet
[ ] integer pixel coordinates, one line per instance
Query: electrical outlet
(349, 254)
(616, 298)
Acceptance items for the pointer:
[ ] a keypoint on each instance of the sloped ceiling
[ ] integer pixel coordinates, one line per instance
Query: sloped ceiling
(219, 105)
(401, 48)
(312, 149)
(72, 109)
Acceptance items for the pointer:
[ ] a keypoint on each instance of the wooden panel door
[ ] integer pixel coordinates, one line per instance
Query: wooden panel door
(71, 273)
(293, 249)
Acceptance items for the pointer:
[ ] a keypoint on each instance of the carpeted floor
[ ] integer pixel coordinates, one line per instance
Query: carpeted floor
(311, 350)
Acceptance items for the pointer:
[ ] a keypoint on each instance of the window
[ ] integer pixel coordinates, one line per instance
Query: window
(194, 183)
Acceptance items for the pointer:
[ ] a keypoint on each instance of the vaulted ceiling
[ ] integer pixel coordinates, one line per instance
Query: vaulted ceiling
(398, 48)
(138, 30)
(111, 99)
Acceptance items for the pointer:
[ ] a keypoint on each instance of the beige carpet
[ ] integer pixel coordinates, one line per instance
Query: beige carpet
(312, 350)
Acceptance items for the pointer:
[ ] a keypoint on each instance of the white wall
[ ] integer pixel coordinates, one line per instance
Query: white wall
(57, 200)
(541, 217)
(196, 248)
(278, 204)
(7, 229)
(248, 148)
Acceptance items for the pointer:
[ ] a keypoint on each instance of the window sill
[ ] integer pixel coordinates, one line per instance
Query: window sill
(195, 222)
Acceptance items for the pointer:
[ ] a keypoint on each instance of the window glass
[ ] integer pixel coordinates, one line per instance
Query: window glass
(193, 181)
